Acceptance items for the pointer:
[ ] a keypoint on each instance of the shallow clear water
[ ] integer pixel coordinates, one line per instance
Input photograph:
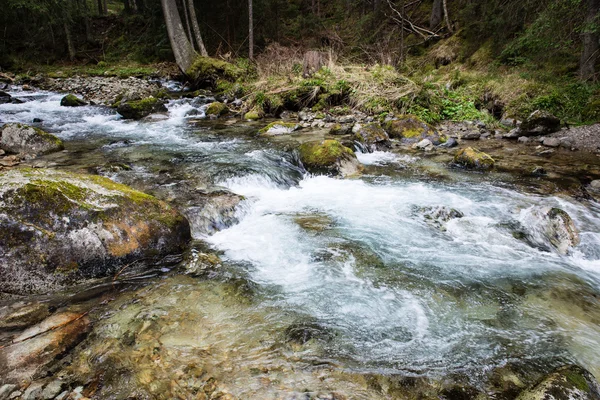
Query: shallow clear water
(394, 293)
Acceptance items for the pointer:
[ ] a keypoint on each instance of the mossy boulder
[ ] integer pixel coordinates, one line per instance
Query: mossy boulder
(58, 228)
(138, 109)
(206, 72)
(372, 137)
(19, 138)
(539, 123)
(566, 383)
(217, 109)
(410, 129)
(279, 128)
(340, 129)
(252, 115)
(329, 157)
(473, 159)
(71, 100)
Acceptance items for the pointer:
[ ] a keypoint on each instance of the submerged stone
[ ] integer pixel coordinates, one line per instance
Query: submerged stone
(567, 383)
(329, 157)
(139, 109)
(437, 216)
(279, 128)
(372, 137)
(558, 227)
(57, 228)
(213, 211)
(473, 159)
(19, 138)
(71, 100)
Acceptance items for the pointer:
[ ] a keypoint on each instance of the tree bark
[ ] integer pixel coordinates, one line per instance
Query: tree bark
(188, 27)
(181, 46)
(70, 46)
(446, 16)
(437, 14)
(250, 30)
(591, 42)
(196, 27)
(100, 8)
(126, 7)
(104, 7)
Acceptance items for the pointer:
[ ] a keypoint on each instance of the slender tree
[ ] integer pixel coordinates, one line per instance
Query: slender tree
(196, 27)
(181, 46)
(437, 14)
(591, 41)
(250, 30)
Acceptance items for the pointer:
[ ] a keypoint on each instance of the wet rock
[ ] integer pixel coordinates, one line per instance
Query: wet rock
(473, 159)
(595, 184)
(437, 216)
(138, 109)
(539, 171)
(424, 145)
(18, 138)
(5, 97)
(252, 115)
(213, 211)
(512, 134)
(523, 139)
(305, 331)
(329, 157)
(371, 136)
(557, 227)
(37, 347)
(201, 263)
(473, 135)
(540, 123)
(314, 222)
(567, 383)
(340, 129)
(459, 392)
(58, 227)
(410, 129)
(6, 390)
(52, 389)
(551, 142)
(37, 120)
(217, 109)
(22, 315)
(451, 142)
(33, 391)
(71, 100)
(279, 128)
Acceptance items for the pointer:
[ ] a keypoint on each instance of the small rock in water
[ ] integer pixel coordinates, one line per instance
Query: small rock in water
(37, 120)
(451, 142)
(539, 171)
(567, 383)
(71, 100)
(473, 135)
(558, 228)
(473, 159)
(437, 216)
(425, 145)
(201, 263)
(551, 142)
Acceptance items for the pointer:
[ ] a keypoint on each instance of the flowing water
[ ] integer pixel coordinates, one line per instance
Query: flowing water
(341, 274)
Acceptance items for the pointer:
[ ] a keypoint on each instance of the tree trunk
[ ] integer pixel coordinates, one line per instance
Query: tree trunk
(446, 17)
(70, 46)
(186, 16)
(100, 8)
(313, 61)
(181, 46)
(591, 42)
(250, 31)
(104, 7)
(196, 27)
(126, 7)
(437, 14)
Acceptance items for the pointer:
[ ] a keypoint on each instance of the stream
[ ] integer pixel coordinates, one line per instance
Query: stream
(327, 285)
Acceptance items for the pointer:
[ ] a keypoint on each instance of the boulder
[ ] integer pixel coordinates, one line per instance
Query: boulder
(371, 137)
(329, 157)
(424, 145)
(279, 128)
(340, 129)
(37, 347)
(213, 211)
(139, 109)
(540, 123)
(252, 115)
(557, 227)
(5, 97)
(410, 129)
(566, 383)
(71, 100)
(551, 142)
(206, 72)
(217, 109)
(473, 159)
(58, 228)
(19, 138)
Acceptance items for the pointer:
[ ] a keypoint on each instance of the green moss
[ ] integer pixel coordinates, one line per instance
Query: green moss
(279, 124)
(577, 379)
(217, 109)
(49, 137)
(473, 158)
(138, 109)
(252, 115)
(323, 154)
(71, 100)
(206, 67)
